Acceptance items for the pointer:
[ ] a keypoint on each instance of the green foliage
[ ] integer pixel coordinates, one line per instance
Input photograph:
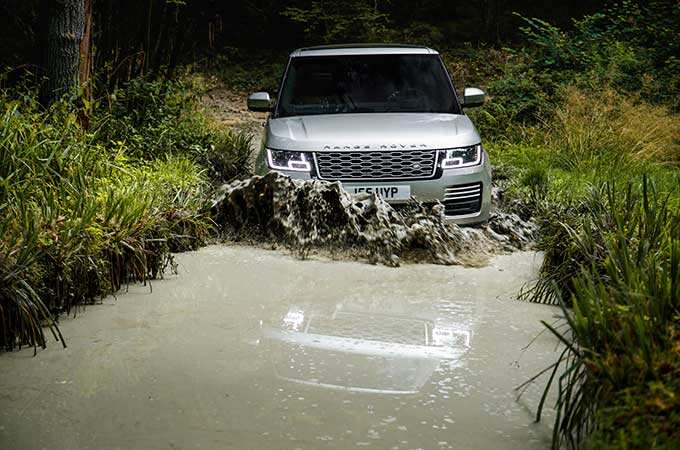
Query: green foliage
(230, 157)
(645, 414)
(651, 29)
(419, 33)
(631, 47)
(555, 48)
(153, 118)
(622, 335)
(338, 22)
(249, 71)
(586, 119)
(584, 158)
(535, 178)
(82, 215)
(586, 141)
(516, 99)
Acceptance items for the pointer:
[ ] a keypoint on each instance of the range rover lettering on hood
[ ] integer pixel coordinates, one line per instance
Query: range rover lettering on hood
(371, 132)
(368, 147)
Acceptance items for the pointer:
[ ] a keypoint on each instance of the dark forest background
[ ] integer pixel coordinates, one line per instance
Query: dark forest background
(133, 37)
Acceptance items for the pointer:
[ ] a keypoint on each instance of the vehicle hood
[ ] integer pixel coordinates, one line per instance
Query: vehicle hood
(371, 131)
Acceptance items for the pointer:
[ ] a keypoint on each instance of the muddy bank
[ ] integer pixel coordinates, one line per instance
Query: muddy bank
(319, 216)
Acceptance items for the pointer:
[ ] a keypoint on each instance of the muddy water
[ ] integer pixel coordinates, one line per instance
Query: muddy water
(251, 349)
(320, 216)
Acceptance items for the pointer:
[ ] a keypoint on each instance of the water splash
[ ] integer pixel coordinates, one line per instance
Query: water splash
(315, 215)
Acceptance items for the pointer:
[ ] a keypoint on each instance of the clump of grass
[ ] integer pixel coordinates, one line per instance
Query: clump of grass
(154, 118)
(81, 216)
(230, 157)
(604, 128)
(618, 284)
(23, 315)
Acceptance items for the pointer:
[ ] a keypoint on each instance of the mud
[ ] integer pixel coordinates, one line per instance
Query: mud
(229, 110)
(319, 216)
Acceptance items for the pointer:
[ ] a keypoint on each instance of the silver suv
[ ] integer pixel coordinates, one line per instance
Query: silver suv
(378, 118)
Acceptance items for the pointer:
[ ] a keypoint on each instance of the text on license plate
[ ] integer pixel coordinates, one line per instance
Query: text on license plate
(386, 192)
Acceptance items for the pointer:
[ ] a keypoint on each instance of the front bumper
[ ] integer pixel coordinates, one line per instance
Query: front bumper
(435, 189)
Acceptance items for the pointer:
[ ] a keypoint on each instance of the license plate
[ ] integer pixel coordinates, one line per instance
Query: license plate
(386, 192)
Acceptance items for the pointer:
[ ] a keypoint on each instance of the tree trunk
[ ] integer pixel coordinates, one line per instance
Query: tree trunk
(85, 67)
(66, 23)
(147, 41)
(492, 19)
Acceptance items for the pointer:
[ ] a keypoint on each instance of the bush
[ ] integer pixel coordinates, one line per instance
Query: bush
(230, 157)
(621, 358)
(81, 216)
(153, 118)
(334, 22)
(584, 122)
(603, 128)
(631, 47)
(611, 243)
(583, 158)
(249, 71)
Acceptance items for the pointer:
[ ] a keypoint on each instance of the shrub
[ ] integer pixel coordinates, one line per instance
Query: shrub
(516, 99)
(631, 47)
(80, 218)
(249, 70)
(603, 128)
(332, 22)
(586, 119)
(153, 118)
(621, 360)
(230, 157)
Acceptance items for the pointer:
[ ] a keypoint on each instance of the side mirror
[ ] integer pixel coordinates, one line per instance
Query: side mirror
(260, 101)
(473, 97)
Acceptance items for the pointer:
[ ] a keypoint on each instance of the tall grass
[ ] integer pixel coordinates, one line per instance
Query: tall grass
(82, 215)
(604, 128)
(600, 175)
(587, 120)
(621, 365)
(230, 157)
(153, 118)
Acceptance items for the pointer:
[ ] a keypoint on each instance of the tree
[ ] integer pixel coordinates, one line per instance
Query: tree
(65, 28)
(337, 22)
(85, 64)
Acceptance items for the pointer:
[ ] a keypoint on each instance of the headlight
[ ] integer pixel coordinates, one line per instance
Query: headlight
(460, 157)
(287, 160)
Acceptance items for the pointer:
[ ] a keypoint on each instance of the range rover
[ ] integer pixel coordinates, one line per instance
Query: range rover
(384, 119)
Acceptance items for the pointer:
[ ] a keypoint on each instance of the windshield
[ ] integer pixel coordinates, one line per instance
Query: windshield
(366, 84)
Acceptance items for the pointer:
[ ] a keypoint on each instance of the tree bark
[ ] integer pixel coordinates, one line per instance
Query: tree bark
(66, 23)
(85, 65)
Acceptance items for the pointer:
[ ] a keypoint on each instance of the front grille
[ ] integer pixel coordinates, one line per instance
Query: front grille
(381, 328)
(385, 165)
(463, 199)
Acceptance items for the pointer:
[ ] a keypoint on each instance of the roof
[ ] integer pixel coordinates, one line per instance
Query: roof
(363, 49)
